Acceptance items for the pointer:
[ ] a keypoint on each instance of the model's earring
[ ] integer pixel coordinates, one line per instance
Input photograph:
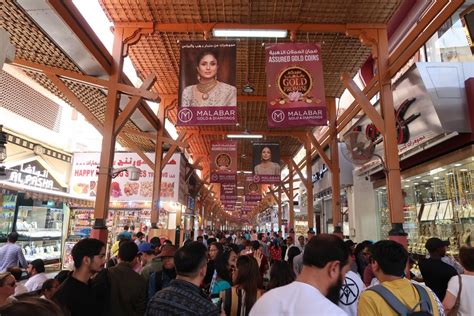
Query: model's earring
(199, 78)
(215, 77)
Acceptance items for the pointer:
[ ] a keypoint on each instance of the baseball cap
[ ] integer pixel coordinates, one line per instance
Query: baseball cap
(167, 251)
(435, 243)
(146, 247)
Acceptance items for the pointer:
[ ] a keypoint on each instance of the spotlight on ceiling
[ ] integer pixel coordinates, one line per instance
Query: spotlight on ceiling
(248, 88)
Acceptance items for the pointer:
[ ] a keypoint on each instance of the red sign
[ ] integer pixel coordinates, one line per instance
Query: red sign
(252, 190)
(223, 161)
(295, 86)
(229, 191)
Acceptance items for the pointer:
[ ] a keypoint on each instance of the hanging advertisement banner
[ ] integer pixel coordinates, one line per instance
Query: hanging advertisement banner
(266, 162)
(207, 85)
(84, 178)
(252, 190)
(295, 86)
(229, 205)
(223, 161)
(246, 207)
(229, 191)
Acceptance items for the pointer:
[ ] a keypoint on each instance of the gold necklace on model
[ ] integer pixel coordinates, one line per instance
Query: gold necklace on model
(205, 88)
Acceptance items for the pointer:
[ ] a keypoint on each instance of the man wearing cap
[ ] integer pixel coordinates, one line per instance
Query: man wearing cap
(162, 279)
(436, 273)
(150, 262)
(36, 275)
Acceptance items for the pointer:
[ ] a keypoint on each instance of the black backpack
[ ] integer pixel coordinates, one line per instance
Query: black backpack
(426, 309)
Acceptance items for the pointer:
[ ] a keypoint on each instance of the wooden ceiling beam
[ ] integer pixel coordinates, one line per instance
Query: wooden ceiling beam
(87, 80)
(208, 27)
(133, 104)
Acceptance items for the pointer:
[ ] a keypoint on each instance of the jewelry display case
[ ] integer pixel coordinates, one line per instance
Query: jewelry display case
(39, 227)
(438, 203)
(7, 215)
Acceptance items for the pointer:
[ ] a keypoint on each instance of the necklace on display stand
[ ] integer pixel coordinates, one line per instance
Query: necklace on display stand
(205, 88)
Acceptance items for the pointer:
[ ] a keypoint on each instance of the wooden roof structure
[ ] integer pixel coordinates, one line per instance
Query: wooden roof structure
(162, 24)
(175, 21)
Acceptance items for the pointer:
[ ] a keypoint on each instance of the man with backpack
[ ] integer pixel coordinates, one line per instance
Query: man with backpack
(395, 295)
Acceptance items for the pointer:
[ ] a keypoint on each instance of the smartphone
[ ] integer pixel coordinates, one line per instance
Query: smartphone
(218, 302)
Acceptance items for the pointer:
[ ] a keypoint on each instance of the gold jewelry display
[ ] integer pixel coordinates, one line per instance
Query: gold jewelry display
(205, 88)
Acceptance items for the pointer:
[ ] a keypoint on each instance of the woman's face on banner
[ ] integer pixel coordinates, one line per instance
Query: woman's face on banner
(207, 67)
(266, 154)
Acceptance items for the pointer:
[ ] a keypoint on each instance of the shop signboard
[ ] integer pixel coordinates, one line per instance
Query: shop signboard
(266, 162)
(207, 86)
(33, 173)
(84, 178)
(223, 161)
(416, 116)
(295, 86)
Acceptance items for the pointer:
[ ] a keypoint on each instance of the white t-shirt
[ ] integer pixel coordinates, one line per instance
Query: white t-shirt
(350, 293)
(298, 299)
(36, 282)
(466, 306)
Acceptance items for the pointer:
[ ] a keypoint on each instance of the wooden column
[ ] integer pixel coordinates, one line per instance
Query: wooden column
(394, 185)
(291, 215)
(309, 184)
(198, 211)
(279, 211)
(99, 230)
(155, 208)
(335, 170)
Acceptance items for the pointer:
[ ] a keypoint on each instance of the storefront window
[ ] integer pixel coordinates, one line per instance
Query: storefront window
(7, 214)
(438, 202)
(39, 225)
(449, 43)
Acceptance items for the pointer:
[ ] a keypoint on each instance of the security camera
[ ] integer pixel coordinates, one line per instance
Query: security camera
(133, 172)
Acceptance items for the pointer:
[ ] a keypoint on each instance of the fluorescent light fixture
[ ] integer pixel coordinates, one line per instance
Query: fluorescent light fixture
(435, 171)
(244, 136)
(249, 33)
(457, 165)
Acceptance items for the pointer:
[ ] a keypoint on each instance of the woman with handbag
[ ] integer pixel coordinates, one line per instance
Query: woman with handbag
(459, 299)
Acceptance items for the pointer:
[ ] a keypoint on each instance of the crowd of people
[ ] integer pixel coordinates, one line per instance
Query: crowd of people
(239, 274)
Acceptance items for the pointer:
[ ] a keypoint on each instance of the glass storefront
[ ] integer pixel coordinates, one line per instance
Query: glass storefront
(449, 43)
(438, 202)
(40, 228)
(7, 215)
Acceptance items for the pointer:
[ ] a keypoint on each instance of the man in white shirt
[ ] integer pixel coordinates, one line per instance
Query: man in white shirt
(289, 243)
(350, 293)
(316, 290)
(300, 243)
(37, 276)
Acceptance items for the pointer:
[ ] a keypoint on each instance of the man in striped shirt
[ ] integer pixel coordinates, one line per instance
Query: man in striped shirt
(11, 254)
